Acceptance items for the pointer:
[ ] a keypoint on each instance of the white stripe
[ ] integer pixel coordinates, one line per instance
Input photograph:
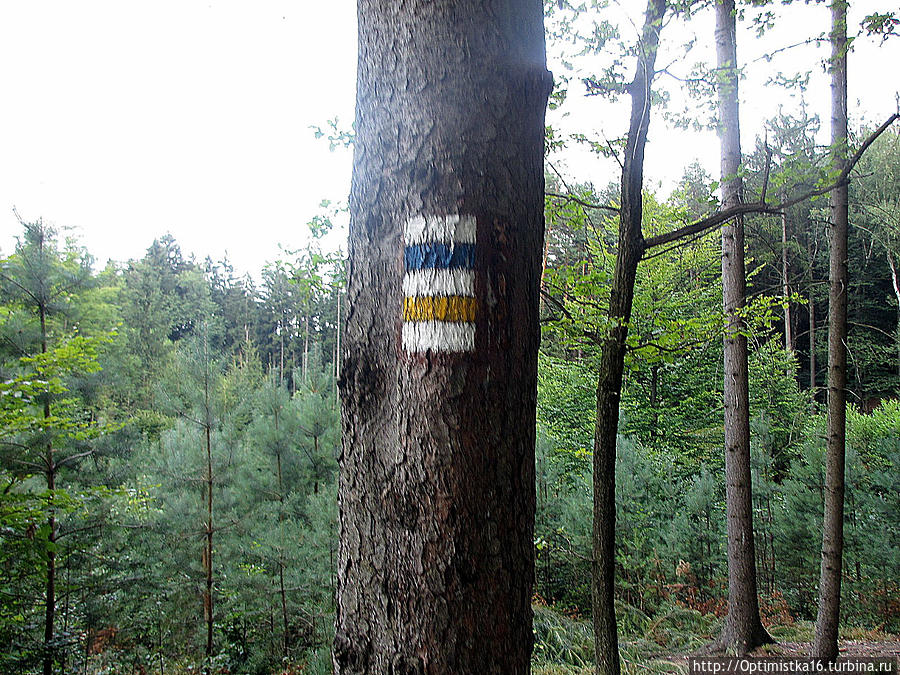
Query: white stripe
(438, 336)
(430, 282)
(452, 229)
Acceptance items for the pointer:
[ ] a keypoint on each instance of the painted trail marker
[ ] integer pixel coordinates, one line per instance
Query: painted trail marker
(439, 304)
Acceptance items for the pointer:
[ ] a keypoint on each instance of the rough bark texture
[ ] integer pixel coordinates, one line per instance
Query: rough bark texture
(436, 489)
(612, 360)
(743, 629)
(825, 643)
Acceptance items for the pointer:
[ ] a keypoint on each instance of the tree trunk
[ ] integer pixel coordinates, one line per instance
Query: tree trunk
(743, 629)
(786, 289)
(896, 284)
(337, 347)
(306, 350)
(825, 644)
(281, 544)
(50, 590)
(612, 359)
(438, 384)
(208, 557)
(50, 475)
(812, 323)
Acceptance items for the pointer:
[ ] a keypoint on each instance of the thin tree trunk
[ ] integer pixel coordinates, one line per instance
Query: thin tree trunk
(436, 491)
(316, 465)
(896, 285)
(770, 537)
(813, 385)
(743, 629)
(282, 329)
(546, 251)
(786, 289)
(50, 474)
(281, 544)
(159, 645)
(612, 360)
(306, 351)
(50, 590)
(825, 644)
(208, 597)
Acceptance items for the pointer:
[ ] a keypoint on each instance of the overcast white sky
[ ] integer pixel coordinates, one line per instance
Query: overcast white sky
(131, 119)
(873, 83)
(126, 120)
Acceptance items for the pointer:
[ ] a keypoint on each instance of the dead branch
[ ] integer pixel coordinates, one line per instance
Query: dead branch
(761, 206)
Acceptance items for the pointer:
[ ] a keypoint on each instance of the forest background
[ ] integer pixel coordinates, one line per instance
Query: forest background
(170, 426)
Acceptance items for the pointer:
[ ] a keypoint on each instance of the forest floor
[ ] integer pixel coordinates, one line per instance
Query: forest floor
(665, 645)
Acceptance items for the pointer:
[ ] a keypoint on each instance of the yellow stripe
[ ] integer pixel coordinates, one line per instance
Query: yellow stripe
(449, 308)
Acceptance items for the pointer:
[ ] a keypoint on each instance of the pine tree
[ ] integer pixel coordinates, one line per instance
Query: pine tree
(436, 489)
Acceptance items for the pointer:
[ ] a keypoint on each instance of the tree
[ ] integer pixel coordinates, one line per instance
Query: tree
(36, 278)
(612, 360)
(165, 297)
(632, 245)
(825, 643)
(743, 629)
(436, 490)
(195, 393)
(877, 202)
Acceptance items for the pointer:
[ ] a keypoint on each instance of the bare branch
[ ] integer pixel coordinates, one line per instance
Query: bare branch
(768, 166)
(72, 458)
(721, 217)
(768, 56)
(708, 223)
(557, 304)
(581, 202)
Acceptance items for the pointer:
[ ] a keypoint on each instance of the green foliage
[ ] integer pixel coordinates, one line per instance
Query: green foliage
(561, 640)
(126, 423)
(138, 361)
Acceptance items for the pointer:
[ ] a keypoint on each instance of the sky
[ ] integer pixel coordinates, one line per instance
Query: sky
(873, 87)
(127, 120)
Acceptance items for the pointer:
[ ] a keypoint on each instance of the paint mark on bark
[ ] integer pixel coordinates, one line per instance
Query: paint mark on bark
(439, 303)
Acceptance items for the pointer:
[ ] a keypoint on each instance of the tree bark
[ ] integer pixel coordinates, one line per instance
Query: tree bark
(825, 644)
(813, 385)
(895, 282)
(612, 359)
(743, 629)
(337, 347)
(439, 373)
(786, 288)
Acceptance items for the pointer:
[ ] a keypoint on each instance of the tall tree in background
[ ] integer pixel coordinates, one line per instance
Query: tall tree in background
(194, 394)
(743, 629)
(436, 490)
(631, 247)
(39, 280)
(825, 644)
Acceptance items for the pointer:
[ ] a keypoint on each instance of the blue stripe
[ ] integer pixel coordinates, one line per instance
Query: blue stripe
(440, 256)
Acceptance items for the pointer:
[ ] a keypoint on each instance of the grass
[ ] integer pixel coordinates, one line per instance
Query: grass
(564, 646)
